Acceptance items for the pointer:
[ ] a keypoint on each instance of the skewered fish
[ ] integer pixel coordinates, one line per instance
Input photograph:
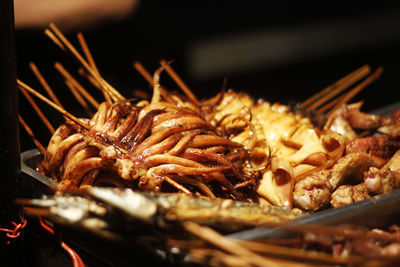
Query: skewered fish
(99, 209)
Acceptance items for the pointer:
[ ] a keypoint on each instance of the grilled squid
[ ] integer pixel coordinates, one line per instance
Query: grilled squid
(142, 146)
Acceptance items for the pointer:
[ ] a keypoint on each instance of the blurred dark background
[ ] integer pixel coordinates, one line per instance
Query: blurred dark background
(277, 50)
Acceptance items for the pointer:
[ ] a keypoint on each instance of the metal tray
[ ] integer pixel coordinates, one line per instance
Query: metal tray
(380, 211)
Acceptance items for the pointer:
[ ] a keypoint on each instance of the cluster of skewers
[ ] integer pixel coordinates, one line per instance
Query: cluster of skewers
(316, 154)
(228, 146)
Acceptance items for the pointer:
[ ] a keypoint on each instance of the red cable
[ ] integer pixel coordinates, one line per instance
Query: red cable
(45, 226)
(15, 232)
(76, 259)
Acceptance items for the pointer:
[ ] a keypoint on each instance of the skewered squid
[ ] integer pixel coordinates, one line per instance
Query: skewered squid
(142, 145)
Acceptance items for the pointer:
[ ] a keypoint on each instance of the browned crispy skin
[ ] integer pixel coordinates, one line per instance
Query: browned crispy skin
(383, 146)
(386, 179)
(347, 194)
(313, 192)
(357, 119)
(361, 120)
(351, 167)
(379, 181)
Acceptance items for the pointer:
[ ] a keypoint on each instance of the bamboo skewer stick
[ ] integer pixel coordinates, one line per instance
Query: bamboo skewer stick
(71, 48)
(90, 78)
(38, 111)
(115, 95)
(140, 94)
(94, 82)
(147, 76)
(179, 81)
(315, 97)
(54, 39)
(329, 105)
(340, 88)
(45, 85)
(178, 186)
(35, 211)
(268, 250)
(78, 97)
(30, 133)
(110, 90)
(52, 104)
(92, 63)
(230, 246)
(76, 85)
(357, 89)
(87, 53)
(259, 247)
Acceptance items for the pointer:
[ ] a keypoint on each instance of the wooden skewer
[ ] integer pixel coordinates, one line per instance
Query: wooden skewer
(90, 78)
(140, 94)
(30, 133)
(202, 256)
(36, 211)
(338, 100)
(346, 84)
(180, 82)
(52, 104)
(149, 78)
(78, 97)
(76, 85)
(294, 252)
(178, 186)
(329, 105)
(275, 247)
(38, 111)
(230, 246)
(54, 39)
(45, 85)
(111, 90)
(87, 53)
(357, 89)
(146, 75)
(328, 89)
(95, 83)
(92, 63)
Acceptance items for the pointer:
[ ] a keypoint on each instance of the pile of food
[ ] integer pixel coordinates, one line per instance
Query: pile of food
(140, 167)
(228, 146)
